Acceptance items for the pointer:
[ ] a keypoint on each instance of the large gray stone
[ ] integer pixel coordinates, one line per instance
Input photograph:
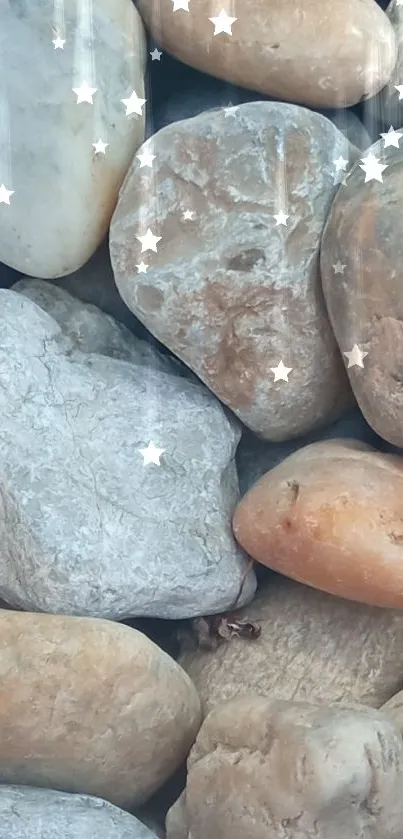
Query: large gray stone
(229, 291)
(30, 813)
(65, 192)
(86, 527)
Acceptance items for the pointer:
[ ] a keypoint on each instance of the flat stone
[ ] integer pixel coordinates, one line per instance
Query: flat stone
(362, 241)
(270, 769)
(350, 56)
(91, 706)
(330, 516)
(229, 291)
(312, 648)
(87, 527)
(29, 813)
(64, 192)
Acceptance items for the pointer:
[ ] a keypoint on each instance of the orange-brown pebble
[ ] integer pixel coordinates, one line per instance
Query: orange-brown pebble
(330, 516)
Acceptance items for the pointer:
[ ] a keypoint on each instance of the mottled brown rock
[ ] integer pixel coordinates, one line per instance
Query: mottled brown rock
(351, 53)
(364, 298)
(229, 291)
(330, 516)
(312, 647)
(285, 770)
(90, 706)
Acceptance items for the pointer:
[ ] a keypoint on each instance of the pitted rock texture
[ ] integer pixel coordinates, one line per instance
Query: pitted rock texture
(65, 193)
(330, 516)
(289, 770)
(300, 52)
(88, 528)
(362, 237)
(91, 706)
(312, 648)
(230, 292)
(30, 813)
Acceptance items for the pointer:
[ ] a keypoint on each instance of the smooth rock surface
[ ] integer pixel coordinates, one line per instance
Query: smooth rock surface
(230, 292)
(86, 526)
(64, 192)
(90, 706)
(350, 55)
(279, 770)
(364, 299)
(394, 709)
(30, 813)
(330, 516)
(312, 647)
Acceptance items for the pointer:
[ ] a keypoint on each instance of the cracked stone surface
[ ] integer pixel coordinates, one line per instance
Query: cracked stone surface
(86, 527)
(290, 770)
(91, 706)
(306, 54)
(65, 193)
(230, 292)
(29, 813)
(365, 301)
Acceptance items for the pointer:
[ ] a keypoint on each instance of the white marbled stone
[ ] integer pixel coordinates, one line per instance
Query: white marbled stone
(64, 193)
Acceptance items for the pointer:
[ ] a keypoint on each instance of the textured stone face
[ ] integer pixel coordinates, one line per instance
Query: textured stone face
(330, 516)
(351, 53)
(387, 105)
(313, 647)
(230, 291)
(65, 193)
(86, 526)
(29, 813)
(269, 770)
(365, 301)
(90, 706)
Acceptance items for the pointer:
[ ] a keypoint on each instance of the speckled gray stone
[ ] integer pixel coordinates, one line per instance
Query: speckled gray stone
(30, 813)
(86, 527)
(229, 291)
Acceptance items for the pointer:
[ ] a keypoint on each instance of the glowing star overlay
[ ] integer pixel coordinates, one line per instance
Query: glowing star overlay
(5, 194)
(355, 357)
(134, 104)
(151, 454)
(223, 23)
(148, 241)
(281, 372)
(84, 93)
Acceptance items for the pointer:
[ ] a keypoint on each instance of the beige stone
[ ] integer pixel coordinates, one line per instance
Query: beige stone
(273, 770)
(362, 241)
(229, 291)
(330, 516)
(304, 52)
(312, 647)
(90, 706)
(64, 193)
(387, 107)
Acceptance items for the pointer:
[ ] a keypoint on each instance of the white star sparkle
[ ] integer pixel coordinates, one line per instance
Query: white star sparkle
(151, 454)
(58, 43)
(134, 104)
(281, 218)
(188, 215)
(100, 146)
(338, 267)
(180, 4)
(223, 23)
(399, 88)
(156, 55)
(5, 194)
(141, 268)
(281, 372)
(145, 158)
(373, 168)
(148, 241)
(355, 356)
(391, 137)
(84, 93)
